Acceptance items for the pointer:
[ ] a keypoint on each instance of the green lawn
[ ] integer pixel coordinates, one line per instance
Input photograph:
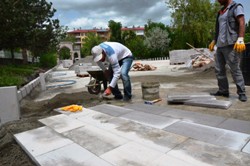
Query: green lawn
(16, 75)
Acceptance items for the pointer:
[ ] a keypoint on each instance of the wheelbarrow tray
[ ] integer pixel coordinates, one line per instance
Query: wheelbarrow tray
(97, 74)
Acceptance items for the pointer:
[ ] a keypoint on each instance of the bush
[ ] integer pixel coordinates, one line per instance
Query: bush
(48, 60)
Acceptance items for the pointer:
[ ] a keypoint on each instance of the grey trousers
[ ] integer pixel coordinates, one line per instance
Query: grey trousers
(227, 55)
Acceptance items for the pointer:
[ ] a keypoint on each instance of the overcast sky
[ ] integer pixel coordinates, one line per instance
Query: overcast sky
(87, 14)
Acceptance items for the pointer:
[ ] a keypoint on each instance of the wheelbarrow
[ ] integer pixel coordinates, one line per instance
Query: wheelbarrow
(97, 78)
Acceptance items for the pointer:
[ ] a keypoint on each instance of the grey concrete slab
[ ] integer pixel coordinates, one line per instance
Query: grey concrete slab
(61, 123)
(150, 137)
(181, 97)
(70, 155)
(111, 109)
(216, 136)
(166, 160)
(131, 154)
(149, 119)
(195, 117)
(40, 141)
(209, 103)
(236, 125)
(9, 104)
(152, 109)
(96, 140)
(200, 153)
(246, 149)
(101, 120)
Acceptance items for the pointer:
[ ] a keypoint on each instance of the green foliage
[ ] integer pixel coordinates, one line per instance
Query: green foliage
(14, 75)
(115, 29)
(48, 60)
(193, 22)
(28, 24)
(137, 47)
(157, 41)
(64, 53)
(90, 41)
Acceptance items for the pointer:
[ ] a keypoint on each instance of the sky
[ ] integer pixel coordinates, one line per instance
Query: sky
(89, 14)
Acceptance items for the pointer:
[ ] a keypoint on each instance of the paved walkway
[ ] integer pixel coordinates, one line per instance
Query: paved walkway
(138, 135)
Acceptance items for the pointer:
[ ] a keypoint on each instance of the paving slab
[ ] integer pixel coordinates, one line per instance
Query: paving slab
(202, 154)
(131, 154)
(101, 120)
(157, 139)
(181, 97)
(169, 161)
(216, 136)
(111, 109)
(152, 120)
(195, 117)
(96, 140)
(152, 109)
(72, 154)
(40, 141)
(61, 123)
(246, 149)
(236, 125)
(209, 103)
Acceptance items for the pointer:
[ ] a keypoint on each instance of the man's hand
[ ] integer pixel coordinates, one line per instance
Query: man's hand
(239, 46)
(107, 92)
(211, 46)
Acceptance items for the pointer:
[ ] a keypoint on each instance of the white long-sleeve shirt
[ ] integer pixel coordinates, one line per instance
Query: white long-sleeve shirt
(114, 53)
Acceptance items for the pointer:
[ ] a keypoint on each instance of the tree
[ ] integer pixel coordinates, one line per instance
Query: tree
(27, 24)
(64, 53)
(115, 30)
(247, 32)
(157, 41)
(193, 22)
(90, 41)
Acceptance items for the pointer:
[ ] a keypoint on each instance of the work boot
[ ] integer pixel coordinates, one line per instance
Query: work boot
(118, 97)
(242, 97)
(218, 93)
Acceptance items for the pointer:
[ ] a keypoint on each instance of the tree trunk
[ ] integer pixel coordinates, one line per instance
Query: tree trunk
(25, 56)
(12, 55)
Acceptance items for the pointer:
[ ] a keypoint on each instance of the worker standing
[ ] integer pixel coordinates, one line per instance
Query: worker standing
(120, 59)
(229, 39)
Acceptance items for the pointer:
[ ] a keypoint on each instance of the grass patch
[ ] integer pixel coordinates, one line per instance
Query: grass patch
(16, 75)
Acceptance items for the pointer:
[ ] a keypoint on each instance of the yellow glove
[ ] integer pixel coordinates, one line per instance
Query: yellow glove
(239, 46)
(211, 46)
(72, 108)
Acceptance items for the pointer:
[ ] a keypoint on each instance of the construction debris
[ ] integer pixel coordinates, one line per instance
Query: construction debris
(140, 67)
(201, 61)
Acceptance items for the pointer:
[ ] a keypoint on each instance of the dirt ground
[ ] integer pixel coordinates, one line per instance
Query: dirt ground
(12, 154)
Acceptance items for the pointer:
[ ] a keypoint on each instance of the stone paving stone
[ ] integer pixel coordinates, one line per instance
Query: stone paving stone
(209, 103)
(236, 125)
(216, 136)
(246, 149)
(131, 154)
(61, 123)
(111, 109)
(101, 120)
(200, 153)
(150, 119)
(152, 109)
(72, 154)
(195, 117)
(96, 140)
(181, 97)
(166, 160)
(150, 137)
(40, 141)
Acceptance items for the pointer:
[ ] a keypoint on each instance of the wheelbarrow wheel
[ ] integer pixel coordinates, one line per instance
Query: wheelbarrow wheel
(94, 87)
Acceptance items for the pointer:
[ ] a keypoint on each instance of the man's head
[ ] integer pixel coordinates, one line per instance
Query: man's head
(97, 53)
